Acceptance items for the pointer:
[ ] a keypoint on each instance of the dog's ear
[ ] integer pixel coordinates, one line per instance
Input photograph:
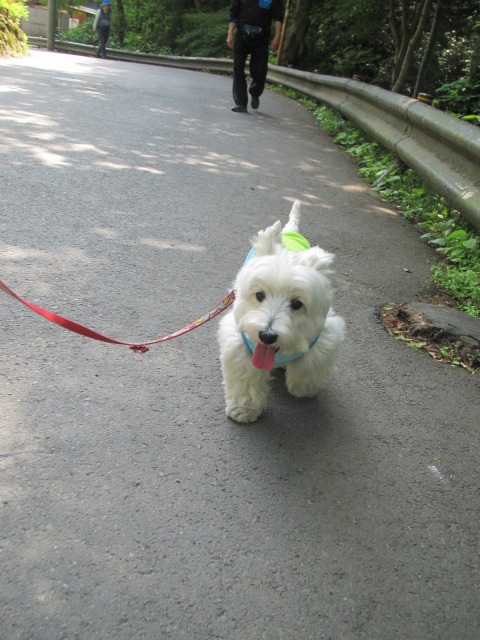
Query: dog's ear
(317, 258)
(266, 241)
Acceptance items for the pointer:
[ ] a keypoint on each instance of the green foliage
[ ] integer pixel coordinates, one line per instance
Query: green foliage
(272, 57)
(354, 37)
(371, 157)
(326, 118)
(462, 283)
(459, 243)
(204, 35)
(13, 41)
(165, 27)
(472, 119)
(83, 34)
(285, 91)
(348, 37)
(14, 9)
(460, 97)
(452, 239)
(135, 42)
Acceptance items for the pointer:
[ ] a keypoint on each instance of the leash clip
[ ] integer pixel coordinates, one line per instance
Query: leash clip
(139, 348)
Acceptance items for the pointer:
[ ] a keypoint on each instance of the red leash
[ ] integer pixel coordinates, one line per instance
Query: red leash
(140, 347)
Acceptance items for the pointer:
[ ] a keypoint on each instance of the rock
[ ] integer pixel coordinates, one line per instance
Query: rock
(449, 322)
(443, 326)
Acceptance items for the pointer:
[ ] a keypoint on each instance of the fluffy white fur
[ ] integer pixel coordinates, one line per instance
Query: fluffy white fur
(266, 287)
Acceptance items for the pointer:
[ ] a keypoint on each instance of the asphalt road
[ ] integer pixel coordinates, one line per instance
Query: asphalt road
(131, 507)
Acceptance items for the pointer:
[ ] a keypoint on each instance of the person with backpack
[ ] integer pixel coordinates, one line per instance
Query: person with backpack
(101, 24)
(249, 35)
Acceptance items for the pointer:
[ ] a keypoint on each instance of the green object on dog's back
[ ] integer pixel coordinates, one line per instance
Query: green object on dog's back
(294, 241)
(291, 240)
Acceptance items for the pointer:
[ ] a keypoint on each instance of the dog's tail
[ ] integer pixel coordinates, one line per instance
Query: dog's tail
(294, 218)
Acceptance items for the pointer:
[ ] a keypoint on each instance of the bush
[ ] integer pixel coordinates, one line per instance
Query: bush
(83, 34)
(204, 35)
(14, 10)
(136, 42)
(13, 41)
(461, 98)
(462, 284)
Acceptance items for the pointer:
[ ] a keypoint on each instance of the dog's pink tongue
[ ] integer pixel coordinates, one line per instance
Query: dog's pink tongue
(264, 357)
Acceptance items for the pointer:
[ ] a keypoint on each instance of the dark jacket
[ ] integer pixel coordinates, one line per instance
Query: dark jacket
(249, 12)
(102, 19)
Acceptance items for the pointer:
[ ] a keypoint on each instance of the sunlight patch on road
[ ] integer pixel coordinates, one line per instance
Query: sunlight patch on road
(172, 245)
(113, 165)
(156, 172)
(26, 118)
(9, 89)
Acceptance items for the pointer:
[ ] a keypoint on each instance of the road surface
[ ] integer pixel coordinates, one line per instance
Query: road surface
(132, 508)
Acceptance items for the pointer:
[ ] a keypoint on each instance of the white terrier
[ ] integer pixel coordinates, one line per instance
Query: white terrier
(281, 317)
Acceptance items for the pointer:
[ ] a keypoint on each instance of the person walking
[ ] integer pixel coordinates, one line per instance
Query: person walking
(249, 35)
(101, 24)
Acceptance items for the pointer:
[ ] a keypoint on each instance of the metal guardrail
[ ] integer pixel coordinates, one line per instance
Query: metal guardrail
(442, 150)
(218, 65)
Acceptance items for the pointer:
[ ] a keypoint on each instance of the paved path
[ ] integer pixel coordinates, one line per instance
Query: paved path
(131, 507)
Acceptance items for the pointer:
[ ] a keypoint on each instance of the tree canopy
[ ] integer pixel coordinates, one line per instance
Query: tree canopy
(388, 43)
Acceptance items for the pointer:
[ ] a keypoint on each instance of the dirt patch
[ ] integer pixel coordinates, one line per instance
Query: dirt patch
(412, 326)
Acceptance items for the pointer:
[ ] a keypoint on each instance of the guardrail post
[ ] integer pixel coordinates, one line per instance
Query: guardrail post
(51, 26)
(425, 97)
(396, 164)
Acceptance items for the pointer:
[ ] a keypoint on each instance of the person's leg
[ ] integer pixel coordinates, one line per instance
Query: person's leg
(101, 42)
(240, 53)
(258, 71)
(103, 36)
(107, 33)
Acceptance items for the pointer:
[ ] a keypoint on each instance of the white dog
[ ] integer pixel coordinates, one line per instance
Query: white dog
(281, 317)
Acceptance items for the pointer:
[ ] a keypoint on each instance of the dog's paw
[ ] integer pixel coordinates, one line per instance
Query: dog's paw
(306, 388)
(241, 414)
(304, 391)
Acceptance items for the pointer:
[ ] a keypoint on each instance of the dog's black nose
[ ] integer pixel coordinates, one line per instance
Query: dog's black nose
(267, 337)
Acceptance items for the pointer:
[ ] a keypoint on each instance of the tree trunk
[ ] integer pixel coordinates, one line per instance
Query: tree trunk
(475, 60)
(428, 49)
(295, 48)
(176, 23)
(407, 24)
(121, 21)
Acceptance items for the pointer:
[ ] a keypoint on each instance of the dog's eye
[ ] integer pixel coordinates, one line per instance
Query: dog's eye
(296, 305)
(260, 296)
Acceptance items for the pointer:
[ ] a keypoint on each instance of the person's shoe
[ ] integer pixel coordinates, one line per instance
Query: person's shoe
(255, 102)
(239, 109)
